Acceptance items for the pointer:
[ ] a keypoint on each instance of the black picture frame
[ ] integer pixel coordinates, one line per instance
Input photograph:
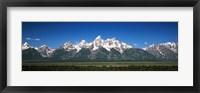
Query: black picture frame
(99, 3)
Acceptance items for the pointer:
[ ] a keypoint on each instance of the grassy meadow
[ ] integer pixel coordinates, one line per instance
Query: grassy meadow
(98, 66)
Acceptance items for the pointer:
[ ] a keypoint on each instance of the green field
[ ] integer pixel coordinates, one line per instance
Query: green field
(98, 66)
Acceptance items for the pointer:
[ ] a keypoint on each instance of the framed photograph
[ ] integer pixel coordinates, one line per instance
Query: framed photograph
(100, 46)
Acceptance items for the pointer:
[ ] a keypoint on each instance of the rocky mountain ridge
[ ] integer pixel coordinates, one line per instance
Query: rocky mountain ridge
(110, 49)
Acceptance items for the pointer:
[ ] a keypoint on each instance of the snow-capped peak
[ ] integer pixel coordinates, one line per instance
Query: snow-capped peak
(45, 51)
(164, 50)
(171, 45)
(82, 44)
(43, 46)
(98, 42)
(116, 44)
(98, 37)
(168, 45)
(68, 46)
(109, 43)
(113, 38)
(26, 46)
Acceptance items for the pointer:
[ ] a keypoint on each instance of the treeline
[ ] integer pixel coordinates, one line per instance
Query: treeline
(99, 68)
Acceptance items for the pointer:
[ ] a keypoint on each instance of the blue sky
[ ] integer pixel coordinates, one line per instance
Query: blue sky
(137, 34)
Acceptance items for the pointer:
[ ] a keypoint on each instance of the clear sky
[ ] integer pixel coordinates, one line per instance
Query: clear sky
(137, 34)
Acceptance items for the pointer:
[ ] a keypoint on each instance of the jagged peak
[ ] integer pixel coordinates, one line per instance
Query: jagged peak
(68, 43)
(113, 38)
(82, 42)
(25, 44)
(98, 37)
(43, 46)
(169, 45)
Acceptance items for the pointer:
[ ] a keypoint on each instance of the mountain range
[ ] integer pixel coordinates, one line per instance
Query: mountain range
(110, 49)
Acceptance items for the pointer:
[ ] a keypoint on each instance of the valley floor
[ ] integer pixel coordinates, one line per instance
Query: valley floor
(98, 66)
